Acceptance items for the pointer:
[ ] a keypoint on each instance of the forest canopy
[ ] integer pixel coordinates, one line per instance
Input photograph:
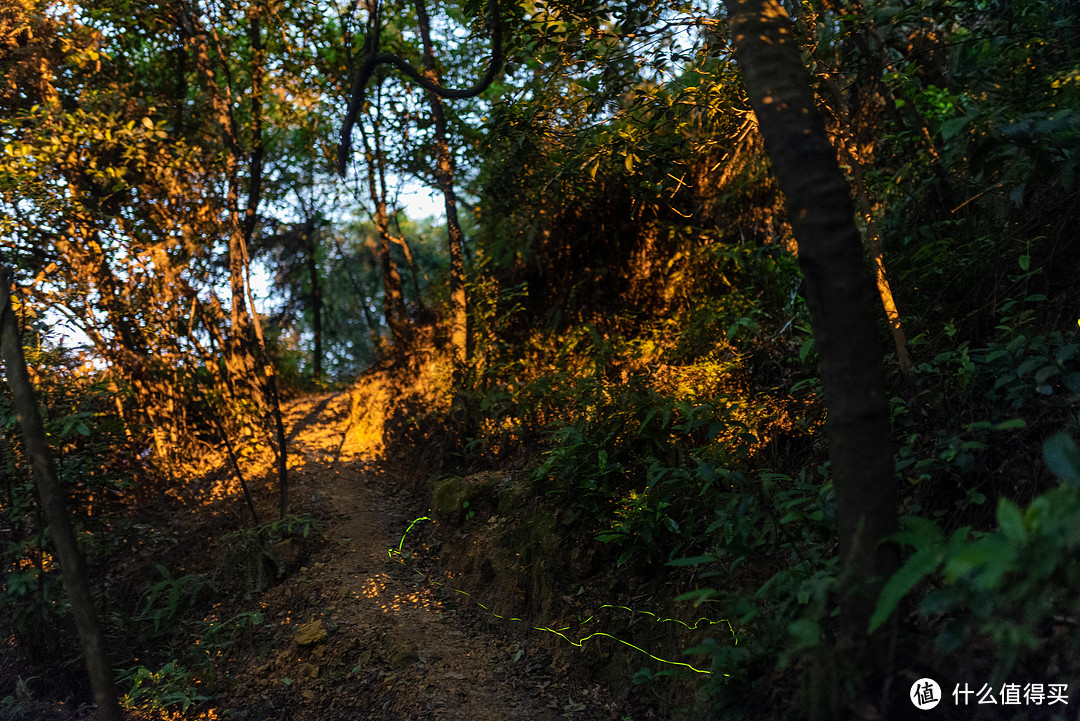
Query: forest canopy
(769, 303)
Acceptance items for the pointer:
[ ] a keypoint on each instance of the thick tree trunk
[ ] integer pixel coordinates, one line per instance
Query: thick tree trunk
(840, 292)
(61, 532)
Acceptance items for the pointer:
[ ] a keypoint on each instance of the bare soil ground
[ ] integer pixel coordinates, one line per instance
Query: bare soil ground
(355, 632)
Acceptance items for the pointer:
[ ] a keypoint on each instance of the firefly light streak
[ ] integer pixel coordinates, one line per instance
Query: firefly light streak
(561, 632)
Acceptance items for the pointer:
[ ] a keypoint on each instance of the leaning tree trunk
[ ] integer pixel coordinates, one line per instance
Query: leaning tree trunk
(72, 567)
(840, 292)
(849, 147)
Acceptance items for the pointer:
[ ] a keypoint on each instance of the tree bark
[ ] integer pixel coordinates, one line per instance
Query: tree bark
(316, 297)
(61, 532)
(394, 311)
(373, 59)
(840, 292)
(444, 176)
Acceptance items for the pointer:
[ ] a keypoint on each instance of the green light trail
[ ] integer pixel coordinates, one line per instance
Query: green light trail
(560, 632)
(390, 551)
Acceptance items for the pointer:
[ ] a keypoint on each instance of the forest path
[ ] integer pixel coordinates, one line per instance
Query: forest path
(361, 634)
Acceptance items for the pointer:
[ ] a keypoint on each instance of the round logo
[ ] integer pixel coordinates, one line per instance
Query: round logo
(925, 694)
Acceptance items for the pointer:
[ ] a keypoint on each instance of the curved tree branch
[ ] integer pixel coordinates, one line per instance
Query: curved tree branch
(374, 59)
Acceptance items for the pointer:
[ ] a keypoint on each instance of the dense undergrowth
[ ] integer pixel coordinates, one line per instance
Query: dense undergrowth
(165, 560)
(715, 462)
(678, 404)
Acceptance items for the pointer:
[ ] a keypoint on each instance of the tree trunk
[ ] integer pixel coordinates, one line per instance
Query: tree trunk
(241, 358)
(72, 567)
(399, 240)
(265, 379)
(840, 292)
(444, 176)
(393, 300)
(316, 297)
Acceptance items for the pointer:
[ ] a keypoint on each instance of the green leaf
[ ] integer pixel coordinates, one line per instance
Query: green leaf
(951, 127)
(920, 533)
(1072, 382)
(805, 632)
(988, 559)
(1046, 372)
(1011, 520)
(941, 600)
(1063, 458)
(698, 596)
(921, 563)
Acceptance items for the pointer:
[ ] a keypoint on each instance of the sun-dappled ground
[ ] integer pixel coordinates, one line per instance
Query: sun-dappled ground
(355, 632)
(382, 599)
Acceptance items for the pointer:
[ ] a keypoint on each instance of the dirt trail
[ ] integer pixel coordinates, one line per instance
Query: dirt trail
(356, 634)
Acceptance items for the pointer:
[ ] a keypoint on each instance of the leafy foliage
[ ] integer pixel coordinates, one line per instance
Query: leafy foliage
(94, 458)
(168, 598)
(171, 685)
(1005, 584)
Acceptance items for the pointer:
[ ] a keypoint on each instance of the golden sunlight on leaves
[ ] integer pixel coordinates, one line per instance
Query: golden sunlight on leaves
(771, 9)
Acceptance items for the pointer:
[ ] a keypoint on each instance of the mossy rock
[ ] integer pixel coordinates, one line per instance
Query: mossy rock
(512, 496)
(454, 497)
(446, 499)
(403, 656)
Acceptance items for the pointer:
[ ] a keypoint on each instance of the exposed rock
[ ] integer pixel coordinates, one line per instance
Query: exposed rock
(311, 633)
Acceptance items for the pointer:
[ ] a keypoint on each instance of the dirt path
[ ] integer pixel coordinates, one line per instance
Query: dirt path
(356, 634)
